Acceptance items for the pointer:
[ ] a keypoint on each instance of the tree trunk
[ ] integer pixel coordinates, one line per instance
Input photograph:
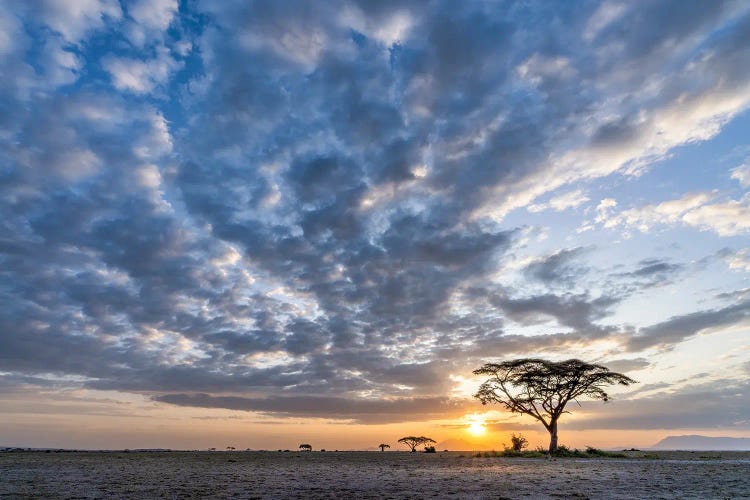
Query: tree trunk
(553, 437)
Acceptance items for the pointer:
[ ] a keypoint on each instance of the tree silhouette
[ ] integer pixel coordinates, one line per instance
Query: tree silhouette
(518, 443)
(541, 388)
(383, 446)
(414, 441)
(231, 448)
(305, 447)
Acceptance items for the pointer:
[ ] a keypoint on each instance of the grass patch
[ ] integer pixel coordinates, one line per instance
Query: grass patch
(589, 452)
(562, 452)
(510, 453)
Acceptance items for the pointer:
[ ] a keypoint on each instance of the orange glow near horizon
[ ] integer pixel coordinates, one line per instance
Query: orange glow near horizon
(477, 428)
(476, 425)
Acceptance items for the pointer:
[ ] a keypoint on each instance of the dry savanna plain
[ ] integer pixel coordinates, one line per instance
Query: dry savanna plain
(652, 475)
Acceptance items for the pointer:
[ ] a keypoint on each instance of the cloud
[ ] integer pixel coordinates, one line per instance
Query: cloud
(739, 260)
(652, 272)
(627, 365)
(742, 173)
(360, 411)
(151, 18)
(141, 76)
(576, 311)
(678, 328)
(725, 218)
(222, 203)
(74, 21)
(722, 403)
(559, 267)
(562, 202)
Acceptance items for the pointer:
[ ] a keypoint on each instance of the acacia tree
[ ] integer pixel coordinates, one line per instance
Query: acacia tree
(383, 446)
(414, 441)
(305, 447)
(541, 388)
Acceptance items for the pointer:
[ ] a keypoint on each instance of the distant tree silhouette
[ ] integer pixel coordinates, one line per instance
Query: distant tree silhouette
(518, 443)
(541, 388)
(414, 441)
(212, 449)
(383, 446)
(305, 447)
(231, 448)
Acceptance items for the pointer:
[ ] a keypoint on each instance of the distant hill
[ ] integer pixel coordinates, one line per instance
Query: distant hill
(705, 443)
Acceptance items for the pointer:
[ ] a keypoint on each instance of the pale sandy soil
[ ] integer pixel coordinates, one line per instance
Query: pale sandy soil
(355, 475)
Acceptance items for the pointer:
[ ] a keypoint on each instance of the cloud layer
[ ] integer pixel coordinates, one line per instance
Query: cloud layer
(307, 209)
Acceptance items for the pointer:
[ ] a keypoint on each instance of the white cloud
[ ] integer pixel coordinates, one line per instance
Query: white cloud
(156, 140)
(571, 199)
(139, 76)
(739, 260)
(604, 208)
(725, 218)
(151, 18)
(302, 45)
(607, 13)
(618, 139)
(742, 173)
(537, 67)
(61, 67)
(387, 30)
(9, 32)
(74, 19)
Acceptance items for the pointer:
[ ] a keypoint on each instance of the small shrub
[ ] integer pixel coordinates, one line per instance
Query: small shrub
(590, 450)
(518, 443)
(429, 449)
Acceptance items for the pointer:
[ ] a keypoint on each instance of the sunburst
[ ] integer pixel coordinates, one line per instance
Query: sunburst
(476, 427)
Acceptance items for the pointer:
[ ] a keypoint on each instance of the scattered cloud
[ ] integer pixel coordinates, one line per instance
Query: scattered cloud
(742, 173)
(679, 328)
(562, 202)
(701, 210)
(739, 260)
(141, 76)
(359, 411)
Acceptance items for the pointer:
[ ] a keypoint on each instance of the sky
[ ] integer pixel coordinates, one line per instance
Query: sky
(259, 224)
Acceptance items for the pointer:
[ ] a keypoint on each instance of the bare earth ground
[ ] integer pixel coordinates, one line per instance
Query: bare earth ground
(357, 475)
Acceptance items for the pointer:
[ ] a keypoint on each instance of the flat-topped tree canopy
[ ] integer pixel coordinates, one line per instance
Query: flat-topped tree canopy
(542, 388)
(414, 441)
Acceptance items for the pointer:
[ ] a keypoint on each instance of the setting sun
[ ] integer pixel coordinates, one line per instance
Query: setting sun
(476, 427)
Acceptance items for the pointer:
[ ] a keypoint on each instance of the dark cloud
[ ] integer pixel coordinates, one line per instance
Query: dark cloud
(653, 272)
(720, 404)
(676, 329)
(627, 365)
(361, 411)
(577, 311)
(559, 267)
